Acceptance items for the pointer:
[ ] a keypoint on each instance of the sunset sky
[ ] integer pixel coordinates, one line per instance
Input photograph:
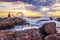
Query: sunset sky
(30, 7)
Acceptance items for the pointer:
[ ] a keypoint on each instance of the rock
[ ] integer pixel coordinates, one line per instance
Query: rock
(51, 18)
(20, 21)
(55, 36)
(58, 19)
(49, 28)
(17, 21)
(9, 22)
(23, 36)
(6, 24)
(10, 35)
(36, 34)
(32, 34)
(3, 35)
(6, 35)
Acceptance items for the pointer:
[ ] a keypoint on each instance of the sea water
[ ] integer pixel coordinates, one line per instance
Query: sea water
(35, 23)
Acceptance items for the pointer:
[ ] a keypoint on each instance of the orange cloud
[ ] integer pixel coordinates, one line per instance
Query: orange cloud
(26, 13)
(57, 13)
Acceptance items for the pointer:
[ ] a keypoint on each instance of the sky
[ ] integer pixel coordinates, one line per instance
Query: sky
(30, 7)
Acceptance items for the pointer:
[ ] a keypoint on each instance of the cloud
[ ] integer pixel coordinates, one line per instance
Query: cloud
(35, 2)
(8, 0)
(2, 6)
(40, 2)
(30, 5)
(59, 1)
(33, 8)
(13, 6)
(43, 9)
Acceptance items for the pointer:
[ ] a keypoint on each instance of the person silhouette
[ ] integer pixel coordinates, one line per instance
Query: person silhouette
(9, 15)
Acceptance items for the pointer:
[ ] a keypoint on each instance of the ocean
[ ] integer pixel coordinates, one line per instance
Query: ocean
(34, 23)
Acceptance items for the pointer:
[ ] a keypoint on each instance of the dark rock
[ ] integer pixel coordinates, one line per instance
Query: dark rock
(9, 22)
(51, 18)
(20, 21)
(49, 28)
(17, 21)
(58, 19)
(6, 24)
(55, 36)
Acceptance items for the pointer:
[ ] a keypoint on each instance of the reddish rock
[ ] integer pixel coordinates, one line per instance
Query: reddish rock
(23, 36)
(36, 34)
(53, 37)
(19, 21)
(3, 35)
(10, 35)
(9, 22)
(32, 34)
(49, 28)
(6, 35)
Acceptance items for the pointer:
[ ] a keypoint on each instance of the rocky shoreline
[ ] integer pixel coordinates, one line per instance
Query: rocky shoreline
(48, 31)
(9, 22)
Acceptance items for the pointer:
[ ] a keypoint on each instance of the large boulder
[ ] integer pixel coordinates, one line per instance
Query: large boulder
(49, 28)
(55, 36)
